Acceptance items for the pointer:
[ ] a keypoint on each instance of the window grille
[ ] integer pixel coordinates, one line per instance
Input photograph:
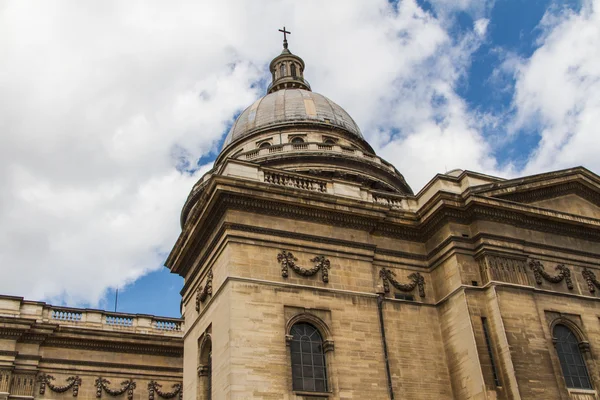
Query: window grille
(309, 371)
(571, 360)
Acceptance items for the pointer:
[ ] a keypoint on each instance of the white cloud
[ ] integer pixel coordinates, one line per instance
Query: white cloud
(557, 90)
(102, 103)
(480, 26)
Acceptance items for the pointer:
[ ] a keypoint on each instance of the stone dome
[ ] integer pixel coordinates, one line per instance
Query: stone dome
(291, 106)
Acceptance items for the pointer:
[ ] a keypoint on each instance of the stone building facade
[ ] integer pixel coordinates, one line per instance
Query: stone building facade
(49, 352)
(312, 271)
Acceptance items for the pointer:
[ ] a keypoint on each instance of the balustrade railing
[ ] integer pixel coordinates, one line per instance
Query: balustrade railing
(295, 181)
(389, 201)
(97, 319)
(66, 315)
(300, 146)
(167, 325)
(252, 154)
(321, 146)
(115, 320)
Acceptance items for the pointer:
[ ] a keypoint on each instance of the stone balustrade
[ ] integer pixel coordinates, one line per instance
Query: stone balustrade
(314, 147)
(253, 172)
(89, 318)
(296, 181)
(107, 320)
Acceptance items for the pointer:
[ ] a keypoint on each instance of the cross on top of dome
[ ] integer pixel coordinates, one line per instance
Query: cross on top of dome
(285, 43)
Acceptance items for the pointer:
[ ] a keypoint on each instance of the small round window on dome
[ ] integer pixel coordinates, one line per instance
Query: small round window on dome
(264, 145)
(297, 140)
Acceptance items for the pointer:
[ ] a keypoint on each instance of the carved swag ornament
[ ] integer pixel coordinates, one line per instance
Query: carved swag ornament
(203, 292)
(539, 273)
(287, 260)
(126, 386)
(388, 276)
(590, 279)
(72, 382)
(154, 387)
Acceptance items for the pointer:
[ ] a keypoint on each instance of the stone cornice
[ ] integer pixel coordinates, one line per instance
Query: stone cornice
(556, 181)
(558, 190)
(230, 193)
(115, 346)
(102, 365)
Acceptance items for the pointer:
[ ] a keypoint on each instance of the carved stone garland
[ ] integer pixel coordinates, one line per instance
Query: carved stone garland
(72, 382)
(590, 279)
(203, 292)
(126, 386)
(388, 276)
(287, 260)
(154, 387)
(539, 273)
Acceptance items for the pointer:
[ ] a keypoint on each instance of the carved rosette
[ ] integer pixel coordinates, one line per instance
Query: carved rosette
(287, 261)
(204, 291)
(563, 274)
(154, 387)
(46, 380)
(126, 386)
(416, 281)
(590, 279)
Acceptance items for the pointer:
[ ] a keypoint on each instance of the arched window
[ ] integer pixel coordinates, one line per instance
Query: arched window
(571, 360)
(297, 140)
(205, 369)
(282, 70)
(309, 372)
(264, 145)
(329, 141)
(293, 68)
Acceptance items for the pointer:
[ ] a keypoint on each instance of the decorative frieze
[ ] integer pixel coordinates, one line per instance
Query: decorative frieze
(5, 375)
(590, 279)
(72, 382)
(287, 260)
(539, 273)
(503, 269)
(204, 291)
(154, 388)
(416, 281)
(22, 384)
(126, 386)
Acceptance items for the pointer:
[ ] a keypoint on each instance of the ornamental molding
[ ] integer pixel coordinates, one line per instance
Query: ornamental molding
(121, 347)
(118, 366)
(416, 281)
(504, 268)
(204, 291)
(126, 386)
(412, 230)
(287, 261)
(549, 192)
(590, 279)
(73, 382)
(154, 387)
(539, 272)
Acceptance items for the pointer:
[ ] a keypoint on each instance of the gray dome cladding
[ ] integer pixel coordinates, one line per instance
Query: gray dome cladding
(289, 106)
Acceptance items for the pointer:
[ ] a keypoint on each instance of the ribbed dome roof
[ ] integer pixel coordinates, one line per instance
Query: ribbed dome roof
(287, 106)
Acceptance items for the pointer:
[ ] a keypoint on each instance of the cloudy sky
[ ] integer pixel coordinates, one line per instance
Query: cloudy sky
(111, 110)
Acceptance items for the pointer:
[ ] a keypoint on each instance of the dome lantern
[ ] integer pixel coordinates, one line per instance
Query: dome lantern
(287, 69)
